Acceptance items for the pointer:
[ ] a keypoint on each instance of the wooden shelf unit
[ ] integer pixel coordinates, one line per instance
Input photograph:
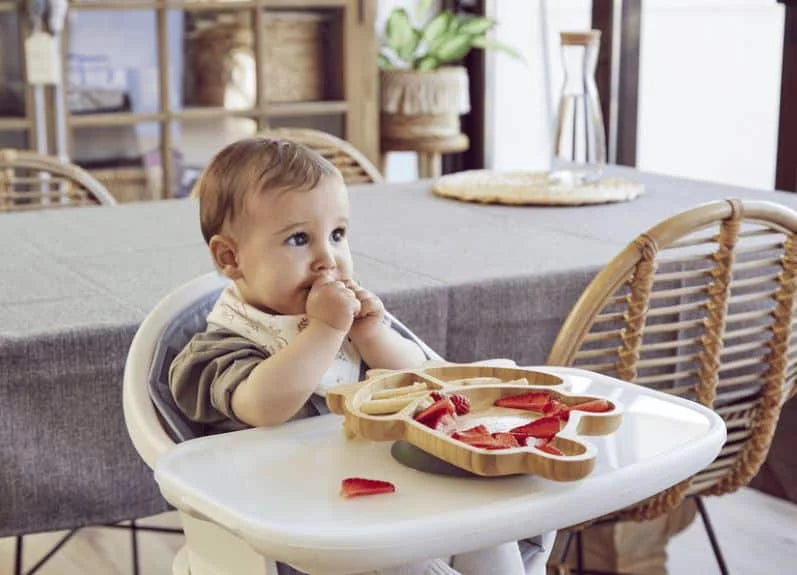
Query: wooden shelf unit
(358, 105)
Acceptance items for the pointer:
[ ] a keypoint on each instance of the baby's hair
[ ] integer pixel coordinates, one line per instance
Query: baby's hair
(260, 165)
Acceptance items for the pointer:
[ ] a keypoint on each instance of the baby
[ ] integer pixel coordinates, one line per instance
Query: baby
(293, 322)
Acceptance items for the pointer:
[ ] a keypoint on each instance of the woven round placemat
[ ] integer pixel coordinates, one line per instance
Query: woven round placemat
(533, 188)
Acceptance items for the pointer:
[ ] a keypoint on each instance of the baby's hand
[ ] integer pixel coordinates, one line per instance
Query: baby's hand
(333, 303)
(369, 321)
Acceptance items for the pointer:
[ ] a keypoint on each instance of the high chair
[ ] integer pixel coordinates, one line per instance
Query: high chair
(155, 424)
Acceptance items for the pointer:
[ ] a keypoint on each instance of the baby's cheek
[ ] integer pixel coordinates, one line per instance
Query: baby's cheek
(347, 267)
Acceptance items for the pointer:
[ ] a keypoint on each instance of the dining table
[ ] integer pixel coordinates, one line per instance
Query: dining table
(474, 281)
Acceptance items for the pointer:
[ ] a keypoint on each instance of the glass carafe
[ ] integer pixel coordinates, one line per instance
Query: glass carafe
(580, 145)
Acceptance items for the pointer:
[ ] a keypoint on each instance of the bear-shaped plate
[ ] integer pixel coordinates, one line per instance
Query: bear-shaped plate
(490, 421)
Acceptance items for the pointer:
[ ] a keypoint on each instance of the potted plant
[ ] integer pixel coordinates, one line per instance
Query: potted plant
(422, 94)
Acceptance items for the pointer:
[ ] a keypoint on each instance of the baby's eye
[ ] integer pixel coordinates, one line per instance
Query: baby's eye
(297, 239)
(338, 234)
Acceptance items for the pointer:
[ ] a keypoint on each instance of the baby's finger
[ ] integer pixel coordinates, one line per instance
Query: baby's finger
(370, 306)
(351, 284)
(323, 280)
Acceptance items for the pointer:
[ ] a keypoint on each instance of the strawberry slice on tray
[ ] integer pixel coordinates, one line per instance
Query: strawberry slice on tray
(498, 440)
(593, 406)
(544, 427)
(358, 486)
(532, 401)
(548, 448)
(476, 432)
(430, 416)
(461, 402)
(556, 408)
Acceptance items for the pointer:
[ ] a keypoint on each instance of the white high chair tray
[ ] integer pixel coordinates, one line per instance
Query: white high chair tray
(278, 488)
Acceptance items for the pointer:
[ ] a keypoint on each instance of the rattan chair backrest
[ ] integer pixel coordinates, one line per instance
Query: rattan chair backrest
(32, 181)
(353, 165)
(700, 306)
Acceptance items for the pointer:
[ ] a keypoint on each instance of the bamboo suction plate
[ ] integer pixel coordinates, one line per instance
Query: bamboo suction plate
(513, 423)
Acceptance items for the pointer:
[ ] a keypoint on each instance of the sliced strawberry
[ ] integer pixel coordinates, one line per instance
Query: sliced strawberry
(532, 401)
(545, 427)
(471, 433)
(494, 441)
(461, 403)
(356, 486)
(445, 423)
(556, 408)
(548, 448)
(593, 406)
(431, 414)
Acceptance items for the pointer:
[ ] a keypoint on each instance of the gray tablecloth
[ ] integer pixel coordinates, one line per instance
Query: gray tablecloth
(474, 281)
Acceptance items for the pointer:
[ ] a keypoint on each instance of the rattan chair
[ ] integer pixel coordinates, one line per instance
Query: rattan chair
(32, 181)
(700, 306)
(353, 165)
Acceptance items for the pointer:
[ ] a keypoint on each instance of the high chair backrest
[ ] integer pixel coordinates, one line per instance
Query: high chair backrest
(154, 422)
(700, 306)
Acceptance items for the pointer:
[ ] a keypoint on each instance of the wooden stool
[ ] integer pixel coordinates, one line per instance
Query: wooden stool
(430, 151)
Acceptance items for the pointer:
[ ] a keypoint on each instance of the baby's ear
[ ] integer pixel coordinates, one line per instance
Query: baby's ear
(225, 256)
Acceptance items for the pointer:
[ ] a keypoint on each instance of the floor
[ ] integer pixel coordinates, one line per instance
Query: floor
(758, 534)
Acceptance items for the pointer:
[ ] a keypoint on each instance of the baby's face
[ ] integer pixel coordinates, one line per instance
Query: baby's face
(289, 240)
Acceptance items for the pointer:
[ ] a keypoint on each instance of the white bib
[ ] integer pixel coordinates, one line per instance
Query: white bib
(273, 332)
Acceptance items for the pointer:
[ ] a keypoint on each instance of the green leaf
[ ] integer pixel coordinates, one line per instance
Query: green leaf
(384, 62)
(399, 32)
(422, 9)
(436, 27)
(489, 44)
(426, 63)
(407, 51)
(475, 26)
(454, 48)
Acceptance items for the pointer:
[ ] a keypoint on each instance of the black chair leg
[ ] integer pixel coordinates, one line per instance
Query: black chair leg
(711, 536)
(566, 550)
(134, 544)
(52, 552)
(18, 556)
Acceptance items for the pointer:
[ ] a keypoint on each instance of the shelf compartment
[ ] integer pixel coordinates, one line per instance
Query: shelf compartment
(111, 5)
(319, 108)
(9, 124)
(123, 119)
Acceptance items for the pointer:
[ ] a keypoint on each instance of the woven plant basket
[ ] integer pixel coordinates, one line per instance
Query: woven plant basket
(293, 58)
(423, 104)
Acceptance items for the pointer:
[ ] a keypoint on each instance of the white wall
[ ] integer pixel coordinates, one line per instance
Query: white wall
(709, 86)
(519, 117)
(709, 89)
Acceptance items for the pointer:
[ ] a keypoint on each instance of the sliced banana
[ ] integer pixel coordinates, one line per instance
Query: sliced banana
(475, 381)
(396, 391)
(391, 404)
